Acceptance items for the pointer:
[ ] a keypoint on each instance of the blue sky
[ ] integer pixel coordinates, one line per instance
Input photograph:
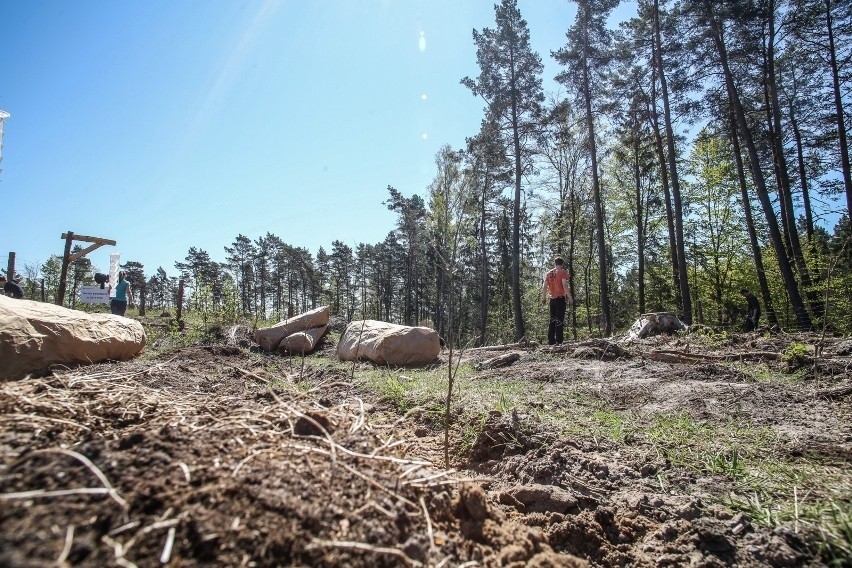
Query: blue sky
(169, 124)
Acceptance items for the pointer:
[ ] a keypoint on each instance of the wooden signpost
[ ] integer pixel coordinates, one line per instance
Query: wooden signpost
(68, 258)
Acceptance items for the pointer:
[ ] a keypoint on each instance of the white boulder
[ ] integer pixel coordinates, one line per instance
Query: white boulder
(388, 344)
(654, 324)
(302, 341)
(36, 335)
(270, 337)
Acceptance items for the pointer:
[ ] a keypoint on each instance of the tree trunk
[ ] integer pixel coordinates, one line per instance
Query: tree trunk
(792, 287)
(803, 176)
(664, 178)
(596, 189)
(640, 235)
(520, 332)
(752, 233)
(483, 300)
(572, 242)
(782, 175)
(838, 105)
(672, 160)
(588, 279)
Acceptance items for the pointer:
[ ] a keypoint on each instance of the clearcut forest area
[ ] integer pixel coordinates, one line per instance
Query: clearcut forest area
(696, 449)
(689, 160)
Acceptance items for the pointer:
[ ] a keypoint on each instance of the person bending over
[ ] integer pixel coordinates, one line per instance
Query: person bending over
(11, 288)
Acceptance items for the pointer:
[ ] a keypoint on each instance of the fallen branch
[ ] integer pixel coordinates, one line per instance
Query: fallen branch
(666, 356)
(836, 392)
(506, 347)
(499, 361)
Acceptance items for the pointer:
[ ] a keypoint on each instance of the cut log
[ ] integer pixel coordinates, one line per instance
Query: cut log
(36, 335)
(388, 344)
(499, 361)
(269, 338)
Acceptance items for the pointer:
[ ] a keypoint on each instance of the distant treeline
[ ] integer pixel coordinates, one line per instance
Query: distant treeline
(699, 149)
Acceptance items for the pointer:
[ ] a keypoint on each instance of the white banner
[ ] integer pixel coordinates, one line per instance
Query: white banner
(94, 295)
(114, 259)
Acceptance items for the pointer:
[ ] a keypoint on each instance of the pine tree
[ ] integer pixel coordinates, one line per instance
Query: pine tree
(510, 83)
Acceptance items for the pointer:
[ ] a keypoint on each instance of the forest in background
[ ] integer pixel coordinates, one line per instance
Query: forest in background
(698, 149)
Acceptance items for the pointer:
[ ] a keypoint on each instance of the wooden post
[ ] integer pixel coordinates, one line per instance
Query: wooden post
(142, 301)
(180, 305)
(63, 275)
(67, 258)
(10, 271)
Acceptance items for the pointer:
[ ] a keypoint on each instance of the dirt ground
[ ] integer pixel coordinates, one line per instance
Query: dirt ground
(219, 455)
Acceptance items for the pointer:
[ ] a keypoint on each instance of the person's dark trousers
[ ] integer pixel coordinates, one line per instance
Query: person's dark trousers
(117, 307)
(750, 324)
(556, 329)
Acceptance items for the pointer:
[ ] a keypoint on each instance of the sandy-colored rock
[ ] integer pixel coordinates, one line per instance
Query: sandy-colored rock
(36, 335)
(388, 343)
(269, 338)
(302, 341)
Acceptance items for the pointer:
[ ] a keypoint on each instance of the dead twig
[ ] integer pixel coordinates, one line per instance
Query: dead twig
(364, 547)
(107, 488)
(429, 531)
(66, 549)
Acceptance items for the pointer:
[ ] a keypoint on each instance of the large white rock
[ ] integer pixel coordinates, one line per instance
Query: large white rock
(35, 335)
(302, 341)
(654, 324)
(270, 337)
(388, 343)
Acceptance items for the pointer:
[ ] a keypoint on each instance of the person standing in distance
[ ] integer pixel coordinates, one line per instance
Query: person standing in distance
(123, 291)
(11, 288)
(752, 311)
(557, 289)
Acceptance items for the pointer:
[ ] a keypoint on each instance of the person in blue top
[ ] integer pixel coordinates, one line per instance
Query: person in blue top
(123, 292)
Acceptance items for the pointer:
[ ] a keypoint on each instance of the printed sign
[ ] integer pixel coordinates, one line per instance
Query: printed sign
(94, 295)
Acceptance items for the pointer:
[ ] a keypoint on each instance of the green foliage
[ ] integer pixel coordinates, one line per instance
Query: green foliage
(796, 351)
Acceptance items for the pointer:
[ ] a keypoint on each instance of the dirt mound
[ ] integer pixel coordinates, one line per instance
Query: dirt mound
(191, 459)
(502, 436)
(616, 514)
(215, 455)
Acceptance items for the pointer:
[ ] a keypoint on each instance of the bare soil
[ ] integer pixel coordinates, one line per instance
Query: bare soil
(218, 455)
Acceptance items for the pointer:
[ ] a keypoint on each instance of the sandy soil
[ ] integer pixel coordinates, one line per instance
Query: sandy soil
(191, 459)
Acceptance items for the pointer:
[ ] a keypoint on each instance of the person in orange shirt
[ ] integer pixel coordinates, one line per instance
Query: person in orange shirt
(557, 289)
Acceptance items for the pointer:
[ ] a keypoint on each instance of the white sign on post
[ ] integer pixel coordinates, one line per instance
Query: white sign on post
(94, 295)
